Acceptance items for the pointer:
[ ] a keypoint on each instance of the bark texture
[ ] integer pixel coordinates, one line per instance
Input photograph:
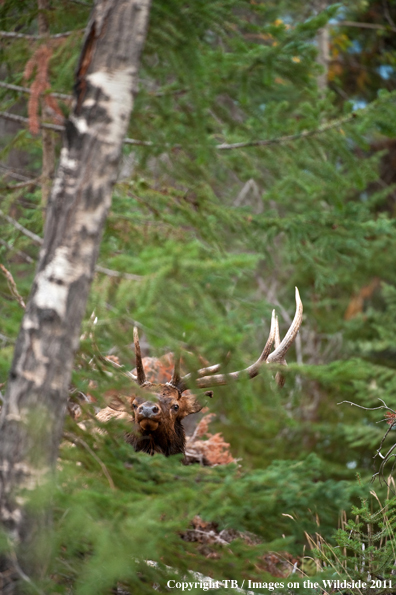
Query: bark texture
(32, 417)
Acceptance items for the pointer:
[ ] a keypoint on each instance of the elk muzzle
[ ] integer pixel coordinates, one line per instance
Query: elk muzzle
(148, 416)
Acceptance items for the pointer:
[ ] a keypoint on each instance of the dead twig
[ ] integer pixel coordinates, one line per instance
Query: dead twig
(12, 286)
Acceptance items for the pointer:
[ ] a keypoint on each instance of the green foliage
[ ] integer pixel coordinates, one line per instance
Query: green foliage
(365, 549)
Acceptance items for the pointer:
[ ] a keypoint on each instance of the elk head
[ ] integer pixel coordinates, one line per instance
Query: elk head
(157, 418)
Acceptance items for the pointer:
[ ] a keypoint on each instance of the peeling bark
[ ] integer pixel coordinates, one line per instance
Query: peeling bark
(32, 417)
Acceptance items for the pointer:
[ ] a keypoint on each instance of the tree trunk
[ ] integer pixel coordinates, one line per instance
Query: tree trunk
(32, 417)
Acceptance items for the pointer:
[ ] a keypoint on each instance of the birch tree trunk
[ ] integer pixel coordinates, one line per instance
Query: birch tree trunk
(32, 417)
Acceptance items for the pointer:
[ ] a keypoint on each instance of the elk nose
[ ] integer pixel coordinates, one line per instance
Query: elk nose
(148, 410)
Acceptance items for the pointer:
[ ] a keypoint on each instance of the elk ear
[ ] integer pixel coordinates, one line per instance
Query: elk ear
(189, 405)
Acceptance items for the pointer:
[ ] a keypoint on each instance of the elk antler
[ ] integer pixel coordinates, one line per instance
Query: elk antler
(176, 380)
(277, 356)
(141, 376)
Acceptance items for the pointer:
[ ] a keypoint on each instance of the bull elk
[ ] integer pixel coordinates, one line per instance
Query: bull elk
(156, 419)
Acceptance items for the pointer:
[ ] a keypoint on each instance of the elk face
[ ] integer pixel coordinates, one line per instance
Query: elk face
(158, 419)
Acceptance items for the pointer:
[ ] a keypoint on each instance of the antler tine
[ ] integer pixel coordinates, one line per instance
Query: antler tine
(279, 354)
(275, 357)
(177, 381)
(277, 339)
(252, 371)
(141, 376)
(279, 378)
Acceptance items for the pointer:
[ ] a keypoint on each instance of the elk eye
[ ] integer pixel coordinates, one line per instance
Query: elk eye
(134, 406)
(176, 407)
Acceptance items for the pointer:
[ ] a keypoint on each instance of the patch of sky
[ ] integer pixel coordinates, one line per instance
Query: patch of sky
(355, 47)
(358, 104)
(339, 17)
(385, 71)
(351, 464)
(262, 106)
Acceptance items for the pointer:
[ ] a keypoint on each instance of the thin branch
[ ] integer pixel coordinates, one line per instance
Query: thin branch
(364, 26)
(82, 3)
(78, 440)
(31, 182)
(12, 286)
(289, 137)
(14, 35)
(59, 128)
(27, 90)
(18, 252)
(221, 147)
(383, 406)
(38, 240)
(25, 121)
(13, 174)
(111, 273)
(22, 229)
(133, 141)
(22, 575)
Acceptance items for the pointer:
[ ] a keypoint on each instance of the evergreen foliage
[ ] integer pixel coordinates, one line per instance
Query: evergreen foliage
(216, 238)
